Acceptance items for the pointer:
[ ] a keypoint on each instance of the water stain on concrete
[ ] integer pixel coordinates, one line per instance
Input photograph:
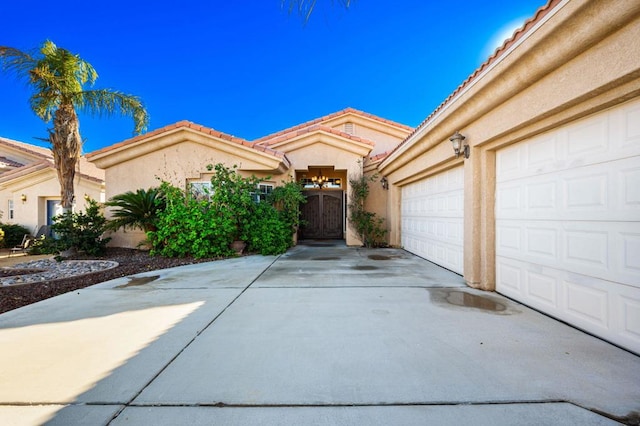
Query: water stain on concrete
(136, 281)
(469, 300)
(364, 268)
(325, 258)
(379, 257)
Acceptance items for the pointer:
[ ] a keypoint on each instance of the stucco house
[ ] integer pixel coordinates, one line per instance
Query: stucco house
(545, 208)
(333, 148)
(29, 187)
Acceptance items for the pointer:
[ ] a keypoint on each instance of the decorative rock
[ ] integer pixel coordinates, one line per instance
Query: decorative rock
(53, 270)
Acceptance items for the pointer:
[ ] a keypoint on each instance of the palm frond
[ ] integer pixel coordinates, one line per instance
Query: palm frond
(17, 62)
(110, 102)
(304, 8)
(136, 209)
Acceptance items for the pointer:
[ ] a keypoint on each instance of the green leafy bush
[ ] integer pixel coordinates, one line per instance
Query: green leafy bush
(136, 209)
(206, 226)
(268, 234)
(81, 231)
(13, 234)
(367, 225)
(287, 200)
(191, 226)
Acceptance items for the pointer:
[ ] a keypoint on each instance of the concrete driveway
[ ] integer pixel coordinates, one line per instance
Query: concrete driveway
(323, 335)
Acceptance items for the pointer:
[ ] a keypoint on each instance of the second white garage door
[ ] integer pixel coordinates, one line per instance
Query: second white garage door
(432, 218)
(568, 224)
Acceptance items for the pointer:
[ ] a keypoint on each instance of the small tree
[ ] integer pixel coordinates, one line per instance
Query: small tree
(234, 195)
(136, 210)
(367, 225)
(59, 81)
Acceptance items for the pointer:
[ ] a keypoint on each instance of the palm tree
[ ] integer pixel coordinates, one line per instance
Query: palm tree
(136, 209)
(58, 79)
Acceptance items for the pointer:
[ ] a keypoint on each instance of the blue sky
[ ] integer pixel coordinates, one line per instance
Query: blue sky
(248, 68)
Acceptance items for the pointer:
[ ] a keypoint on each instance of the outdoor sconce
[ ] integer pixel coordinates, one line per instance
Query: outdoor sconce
(384, 182)
(23, 198)
(458, 144)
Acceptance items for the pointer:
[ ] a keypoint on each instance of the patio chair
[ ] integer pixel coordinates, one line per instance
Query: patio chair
(44, 230)
(24, 245)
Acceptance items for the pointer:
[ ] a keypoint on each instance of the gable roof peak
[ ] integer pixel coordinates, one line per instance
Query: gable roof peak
(332, 116)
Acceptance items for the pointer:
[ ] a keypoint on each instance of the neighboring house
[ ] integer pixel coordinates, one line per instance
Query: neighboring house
(545, 210)
(335, 147)
(29, 188)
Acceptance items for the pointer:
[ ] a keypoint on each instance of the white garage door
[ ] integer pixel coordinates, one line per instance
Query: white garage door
(432, 213)
(568, 224)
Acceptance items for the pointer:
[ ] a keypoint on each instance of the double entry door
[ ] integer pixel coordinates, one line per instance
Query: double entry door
(322, 215)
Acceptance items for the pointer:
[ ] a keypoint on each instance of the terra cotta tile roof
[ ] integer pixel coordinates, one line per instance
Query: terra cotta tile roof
(310, 129)
(330, 117)
(34, 150)
(9, 162)
(44, 159)
(193, 126)
(517, 35)
(378, 157)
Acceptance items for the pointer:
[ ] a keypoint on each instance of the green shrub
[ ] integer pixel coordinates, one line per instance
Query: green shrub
(190, 226)
(136, 209)
(367, 225)
(43, 245)
(287, 200)
(13, 234)
(206, 226)
(81, 231)
(268, 233)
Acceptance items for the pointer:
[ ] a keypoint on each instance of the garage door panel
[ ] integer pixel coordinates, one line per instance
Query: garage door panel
(568, 223)
(432, 218)
(588, 303)
(629, 316)
(613, 136)
(607, 250)
(543, 288)
(608, 191)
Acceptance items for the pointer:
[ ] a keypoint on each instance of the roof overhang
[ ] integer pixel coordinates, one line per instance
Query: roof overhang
(266, 158)
(325, 136)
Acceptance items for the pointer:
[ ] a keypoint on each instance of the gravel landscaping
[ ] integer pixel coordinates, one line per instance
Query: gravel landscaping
(49, 284)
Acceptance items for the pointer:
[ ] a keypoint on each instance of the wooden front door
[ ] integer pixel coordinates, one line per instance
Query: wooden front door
(322, 214)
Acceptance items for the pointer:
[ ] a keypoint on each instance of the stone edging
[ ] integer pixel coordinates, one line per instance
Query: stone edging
(53, 270)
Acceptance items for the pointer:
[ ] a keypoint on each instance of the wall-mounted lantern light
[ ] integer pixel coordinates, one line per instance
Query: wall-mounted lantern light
(23, 198)
(384, 182)
(459, 145)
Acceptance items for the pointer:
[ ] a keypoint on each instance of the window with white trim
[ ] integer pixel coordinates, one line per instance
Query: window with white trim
(201, 190)
(264, 189)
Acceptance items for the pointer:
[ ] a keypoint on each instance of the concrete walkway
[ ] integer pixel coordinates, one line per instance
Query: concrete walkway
(323, 335)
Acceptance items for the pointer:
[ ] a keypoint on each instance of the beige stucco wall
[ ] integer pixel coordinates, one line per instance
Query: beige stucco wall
(386, 137)
(581, 58)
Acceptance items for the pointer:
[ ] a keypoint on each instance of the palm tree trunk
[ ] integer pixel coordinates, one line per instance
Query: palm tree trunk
(66, 146)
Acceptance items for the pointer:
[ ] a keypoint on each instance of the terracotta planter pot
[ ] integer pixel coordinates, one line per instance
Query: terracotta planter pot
(238, 246)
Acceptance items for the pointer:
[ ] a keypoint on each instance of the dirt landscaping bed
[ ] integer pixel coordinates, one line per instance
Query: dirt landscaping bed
(130, 262)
